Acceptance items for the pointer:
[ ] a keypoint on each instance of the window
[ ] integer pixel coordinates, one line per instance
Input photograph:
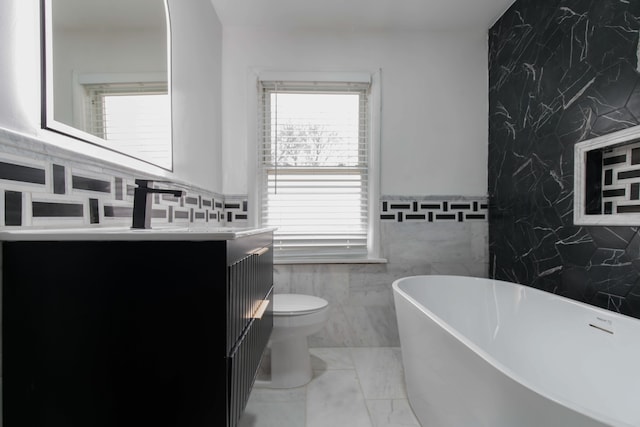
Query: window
(314, 169)
(133, 118)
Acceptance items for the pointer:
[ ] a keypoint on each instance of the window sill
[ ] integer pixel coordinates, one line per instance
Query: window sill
(330, 261)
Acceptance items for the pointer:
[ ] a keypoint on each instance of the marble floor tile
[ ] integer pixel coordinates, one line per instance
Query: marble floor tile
(391, 413)
(344, 392)
(334, 398)
(380, 372)
(331, 358)
(275, 408)
(263, 414)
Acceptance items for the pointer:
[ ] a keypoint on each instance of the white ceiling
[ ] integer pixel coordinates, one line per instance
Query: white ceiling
(362, 14)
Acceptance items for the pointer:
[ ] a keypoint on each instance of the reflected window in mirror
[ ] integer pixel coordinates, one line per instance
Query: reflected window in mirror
(134, 117)
(107, 75)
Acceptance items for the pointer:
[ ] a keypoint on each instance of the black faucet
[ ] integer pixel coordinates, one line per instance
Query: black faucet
(142, 202)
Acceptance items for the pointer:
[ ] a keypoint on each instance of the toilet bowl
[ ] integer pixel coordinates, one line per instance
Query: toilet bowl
(295, 317)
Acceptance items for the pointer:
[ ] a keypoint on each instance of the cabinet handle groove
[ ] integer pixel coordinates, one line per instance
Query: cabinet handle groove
(260, 251)
(261, 309)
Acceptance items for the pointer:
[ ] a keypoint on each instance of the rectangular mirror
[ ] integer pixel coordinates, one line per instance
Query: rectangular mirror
(106, 75)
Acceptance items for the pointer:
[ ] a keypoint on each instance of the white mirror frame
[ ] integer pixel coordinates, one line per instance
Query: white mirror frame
(580, 217)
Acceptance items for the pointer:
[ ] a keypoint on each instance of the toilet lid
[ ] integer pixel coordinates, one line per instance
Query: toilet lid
(291, 304)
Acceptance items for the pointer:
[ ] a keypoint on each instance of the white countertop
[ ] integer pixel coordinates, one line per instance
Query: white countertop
(125, 233)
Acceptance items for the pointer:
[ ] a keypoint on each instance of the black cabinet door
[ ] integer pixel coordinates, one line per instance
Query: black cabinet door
(114, 334)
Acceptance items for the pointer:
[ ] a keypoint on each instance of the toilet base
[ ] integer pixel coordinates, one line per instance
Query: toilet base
(295, 318)
(290, 363)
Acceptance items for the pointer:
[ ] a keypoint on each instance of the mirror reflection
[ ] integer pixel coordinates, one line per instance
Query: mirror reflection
(107, 75)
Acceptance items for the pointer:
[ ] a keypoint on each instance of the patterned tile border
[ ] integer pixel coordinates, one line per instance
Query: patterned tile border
(621, 179)
(433, 209)
(236, 209)
(43, 190)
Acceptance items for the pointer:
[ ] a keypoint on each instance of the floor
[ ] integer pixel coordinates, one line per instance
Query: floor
(351, 387)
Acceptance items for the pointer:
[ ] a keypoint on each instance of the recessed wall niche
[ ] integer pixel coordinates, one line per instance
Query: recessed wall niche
(607, 179)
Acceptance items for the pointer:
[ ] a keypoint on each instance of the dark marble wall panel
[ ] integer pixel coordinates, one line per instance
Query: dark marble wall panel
(560, 72)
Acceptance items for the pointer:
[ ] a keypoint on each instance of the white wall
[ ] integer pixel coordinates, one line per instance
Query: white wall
(196, 69)
(19, 65)
(106, 52)
(196, 83)
(434, 118)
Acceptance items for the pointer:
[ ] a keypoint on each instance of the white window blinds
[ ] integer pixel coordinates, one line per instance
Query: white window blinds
(134, 118)
(314, 168)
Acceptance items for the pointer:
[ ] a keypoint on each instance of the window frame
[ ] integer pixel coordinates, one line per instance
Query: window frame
(373, 146)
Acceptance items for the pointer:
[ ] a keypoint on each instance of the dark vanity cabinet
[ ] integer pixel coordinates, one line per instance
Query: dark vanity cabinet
(144, 333)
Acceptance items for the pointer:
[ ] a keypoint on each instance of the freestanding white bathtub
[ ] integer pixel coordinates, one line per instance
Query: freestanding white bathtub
(488, 353)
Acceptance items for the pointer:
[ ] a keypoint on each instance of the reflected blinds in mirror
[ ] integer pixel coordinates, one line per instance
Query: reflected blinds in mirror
(134, 118)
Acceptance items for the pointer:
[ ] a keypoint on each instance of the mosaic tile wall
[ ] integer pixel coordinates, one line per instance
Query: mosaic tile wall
(621, 180)
(430, 209)
(45, 191)
(560, 72)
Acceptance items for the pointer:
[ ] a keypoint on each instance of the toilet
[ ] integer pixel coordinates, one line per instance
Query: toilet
(295, 317)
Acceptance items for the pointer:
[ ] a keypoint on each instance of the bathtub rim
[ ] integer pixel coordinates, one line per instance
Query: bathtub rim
(550, 395)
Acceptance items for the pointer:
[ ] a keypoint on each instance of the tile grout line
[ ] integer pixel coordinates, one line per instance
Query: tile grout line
(364, 398)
